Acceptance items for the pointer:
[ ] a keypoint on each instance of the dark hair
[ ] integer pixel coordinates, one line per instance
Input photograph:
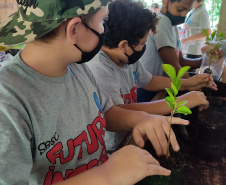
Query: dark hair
(128, 20)
(54, 33)
(199, 1)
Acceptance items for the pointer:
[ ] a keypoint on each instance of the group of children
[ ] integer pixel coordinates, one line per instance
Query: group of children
(55, 109)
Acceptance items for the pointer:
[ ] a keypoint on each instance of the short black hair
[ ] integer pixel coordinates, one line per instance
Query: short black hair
(128, 20)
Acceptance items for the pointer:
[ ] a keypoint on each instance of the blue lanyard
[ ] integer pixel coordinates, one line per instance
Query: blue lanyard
(192, 13)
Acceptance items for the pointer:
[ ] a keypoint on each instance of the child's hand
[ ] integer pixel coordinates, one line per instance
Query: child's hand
(220, 53)
(199, 81)
(155, 128)
(131, 164)
(195, 98)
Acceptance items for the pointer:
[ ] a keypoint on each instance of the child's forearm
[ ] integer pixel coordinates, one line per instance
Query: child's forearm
(158, 107)
(120, 119)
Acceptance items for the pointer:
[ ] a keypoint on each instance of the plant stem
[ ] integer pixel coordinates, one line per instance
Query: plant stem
(168, 153)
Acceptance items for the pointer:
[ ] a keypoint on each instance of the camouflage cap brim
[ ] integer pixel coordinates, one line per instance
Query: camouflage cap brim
(15, 31)
(36, 18)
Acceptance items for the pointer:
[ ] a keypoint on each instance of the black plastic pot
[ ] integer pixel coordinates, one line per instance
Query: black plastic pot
(211, 132)
(176, 177)
(221, 92)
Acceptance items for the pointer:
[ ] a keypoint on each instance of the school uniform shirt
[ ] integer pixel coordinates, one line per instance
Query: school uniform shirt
(120, 84)
(167, 35)
(199, 20)
(51, 128)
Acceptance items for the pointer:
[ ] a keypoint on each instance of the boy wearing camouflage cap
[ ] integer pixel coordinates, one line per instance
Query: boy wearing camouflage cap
(52, 124)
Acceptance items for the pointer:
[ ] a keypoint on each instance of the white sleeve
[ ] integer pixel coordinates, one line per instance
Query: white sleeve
(165, 33)
(142, 75)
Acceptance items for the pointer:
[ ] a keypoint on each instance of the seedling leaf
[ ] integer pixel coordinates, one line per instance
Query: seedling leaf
(182, 103)
(174, 89)
(170, 94)
(169, 102)
(170, 71)
(178, 84)
(182, 71)
(183, 110)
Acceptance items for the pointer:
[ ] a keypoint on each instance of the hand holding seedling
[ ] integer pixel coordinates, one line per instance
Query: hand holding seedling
(215, 53)
(171, 99)
(155, 128)
(199, 81)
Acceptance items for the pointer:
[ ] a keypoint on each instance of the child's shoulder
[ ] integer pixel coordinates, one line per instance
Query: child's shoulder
(7, 66)
(164, 20)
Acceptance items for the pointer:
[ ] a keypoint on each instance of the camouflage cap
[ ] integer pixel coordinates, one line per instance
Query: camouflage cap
(35, 18)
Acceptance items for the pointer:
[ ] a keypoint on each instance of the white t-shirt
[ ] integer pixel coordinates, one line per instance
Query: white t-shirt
(167, 35)
(195, 23)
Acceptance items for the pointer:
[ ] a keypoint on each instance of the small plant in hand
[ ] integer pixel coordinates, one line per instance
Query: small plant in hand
(172, 99)
(212, 52)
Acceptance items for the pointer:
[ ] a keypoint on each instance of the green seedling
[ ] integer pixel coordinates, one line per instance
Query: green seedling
(171, 99)
(212, 52)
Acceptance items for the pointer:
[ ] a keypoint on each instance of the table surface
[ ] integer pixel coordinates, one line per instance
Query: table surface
(197, 171)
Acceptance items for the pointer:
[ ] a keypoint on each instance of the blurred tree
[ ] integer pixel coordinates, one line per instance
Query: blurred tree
(214, 8)
(222, 25)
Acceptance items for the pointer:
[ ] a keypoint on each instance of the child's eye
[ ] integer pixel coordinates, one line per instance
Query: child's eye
(180, 10)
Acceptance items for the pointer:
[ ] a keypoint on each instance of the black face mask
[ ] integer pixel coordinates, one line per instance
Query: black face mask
(87, 56)
(136, 55)
(175, 20)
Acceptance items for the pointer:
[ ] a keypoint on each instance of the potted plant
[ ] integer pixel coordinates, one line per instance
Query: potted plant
(209, 142)
(211, 63)
(211, 133)
(173, 160)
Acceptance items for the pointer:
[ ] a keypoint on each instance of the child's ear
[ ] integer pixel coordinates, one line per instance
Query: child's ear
(123, 45)
(72, 29)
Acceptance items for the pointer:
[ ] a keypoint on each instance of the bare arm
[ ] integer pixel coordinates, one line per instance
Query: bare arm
(199, 36)
(118, 119)
(169, 56)
(193, 63)
(160, 107)
(191, 84)
(154, 127)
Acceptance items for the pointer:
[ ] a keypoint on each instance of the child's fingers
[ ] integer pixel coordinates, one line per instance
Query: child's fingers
(137, 136)
(173, 139)
(157, 170)
(178, 121)
(151, 160)
(155, 142)
(161, 136)
(212, 85)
